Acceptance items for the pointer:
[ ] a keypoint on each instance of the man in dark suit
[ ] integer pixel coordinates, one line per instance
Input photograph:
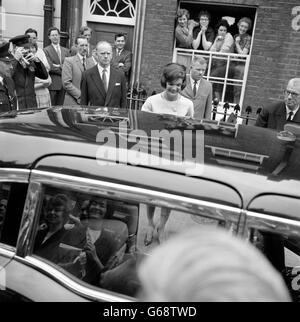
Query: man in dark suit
(26, 66)
(103, 85)
(198, 89)
(122, 59)
(56, 55)
(276, 115)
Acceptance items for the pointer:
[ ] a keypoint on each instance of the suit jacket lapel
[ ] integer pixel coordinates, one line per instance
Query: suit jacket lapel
(98, 81)
(89, 63)
(200, 88)
(54, 55)
(79, 63)
(297, 117)
(63, 54)
(111, 85)
(189, 88)
(281, 116)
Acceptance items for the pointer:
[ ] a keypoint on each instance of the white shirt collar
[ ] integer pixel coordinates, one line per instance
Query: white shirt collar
(193, 81)
(294, 111)
(56, 46)
(100, 68)
(80, 56)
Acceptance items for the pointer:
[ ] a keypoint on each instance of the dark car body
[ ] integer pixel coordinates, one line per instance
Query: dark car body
(242, 177)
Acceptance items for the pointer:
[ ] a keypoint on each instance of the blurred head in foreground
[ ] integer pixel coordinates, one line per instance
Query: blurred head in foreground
(209, 265)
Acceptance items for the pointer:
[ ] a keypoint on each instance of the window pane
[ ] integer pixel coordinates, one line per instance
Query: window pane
(12, 199)
(284, 254)
(90, 237)
(101, 241)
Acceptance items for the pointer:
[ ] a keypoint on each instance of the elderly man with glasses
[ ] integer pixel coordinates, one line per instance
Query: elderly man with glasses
(276, 115)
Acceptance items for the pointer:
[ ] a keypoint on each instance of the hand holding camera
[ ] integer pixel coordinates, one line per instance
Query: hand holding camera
(24, 56)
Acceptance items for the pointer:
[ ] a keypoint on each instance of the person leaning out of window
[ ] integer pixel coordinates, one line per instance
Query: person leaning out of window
(224, 42)
(242, 40)
(203, 35)
(184, 29)
(242, 44)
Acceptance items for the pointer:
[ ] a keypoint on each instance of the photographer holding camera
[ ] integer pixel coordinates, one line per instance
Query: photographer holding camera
(26, 67)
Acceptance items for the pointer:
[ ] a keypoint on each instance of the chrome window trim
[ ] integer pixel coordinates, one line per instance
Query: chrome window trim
(14, 175)
(7, 250)
(126, 192)
(271, 223)
(68, 283)
(29, 220)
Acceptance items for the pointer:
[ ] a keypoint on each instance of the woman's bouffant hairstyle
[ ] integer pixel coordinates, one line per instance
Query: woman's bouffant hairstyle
(224, 23)
(181, 13)
(172, 72)
(247, 20)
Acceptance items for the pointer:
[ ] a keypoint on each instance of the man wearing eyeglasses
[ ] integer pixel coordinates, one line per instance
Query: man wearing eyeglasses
(275, 116)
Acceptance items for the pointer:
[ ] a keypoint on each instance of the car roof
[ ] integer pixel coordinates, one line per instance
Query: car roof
(245, 157)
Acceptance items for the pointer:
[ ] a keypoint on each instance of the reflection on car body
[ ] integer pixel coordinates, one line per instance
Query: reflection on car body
(250, 189)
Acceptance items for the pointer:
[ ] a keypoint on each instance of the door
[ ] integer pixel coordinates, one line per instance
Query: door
(105, 31)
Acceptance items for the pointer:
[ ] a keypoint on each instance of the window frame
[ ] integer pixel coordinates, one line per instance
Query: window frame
(40, 179)
(229, 56)
(8, 175)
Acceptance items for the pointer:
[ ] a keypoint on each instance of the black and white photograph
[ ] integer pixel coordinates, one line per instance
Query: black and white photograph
(149, 153)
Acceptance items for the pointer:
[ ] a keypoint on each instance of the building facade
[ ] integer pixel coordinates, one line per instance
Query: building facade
(150, 27)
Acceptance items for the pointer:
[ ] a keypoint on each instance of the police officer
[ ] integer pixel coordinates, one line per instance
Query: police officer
(7, 90)
(25, 68)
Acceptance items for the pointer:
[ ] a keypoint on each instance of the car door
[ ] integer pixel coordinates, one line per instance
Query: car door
(127, 191)
(273, 225)
(13, 189)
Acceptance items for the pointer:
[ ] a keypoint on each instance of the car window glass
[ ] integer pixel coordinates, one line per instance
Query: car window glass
(12, 199)
(283, 252)
(101, 241)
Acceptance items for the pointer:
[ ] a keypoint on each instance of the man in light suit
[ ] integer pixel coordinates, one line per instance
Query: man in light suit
(103, 85)
(72, 71)
(122, 59)
(56, 55)
(198, 89)
(276, 115)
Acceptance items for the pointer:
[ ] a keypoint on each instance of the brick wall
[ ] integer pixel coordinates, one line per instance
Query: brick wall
(158, 41)
(275, 53)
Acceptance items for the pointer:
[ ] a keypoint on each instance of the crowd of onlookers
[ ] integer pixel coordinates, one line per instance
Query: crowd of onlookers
(202, 36)
(34, 77)
(100, 75)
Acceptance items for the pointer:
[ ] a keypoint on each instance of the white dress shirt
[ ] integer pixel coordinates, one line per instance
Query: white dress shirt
(193, 82)
(100, 68)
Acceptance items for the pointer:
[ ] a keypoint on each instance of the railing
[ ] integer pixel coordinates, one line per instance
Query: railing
(226, 112)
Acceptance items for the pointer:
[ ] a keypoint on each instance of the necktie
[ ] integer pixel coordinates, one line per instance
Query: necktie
(195, 88)
(290, 118)
(104, 79)
(83, 63)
